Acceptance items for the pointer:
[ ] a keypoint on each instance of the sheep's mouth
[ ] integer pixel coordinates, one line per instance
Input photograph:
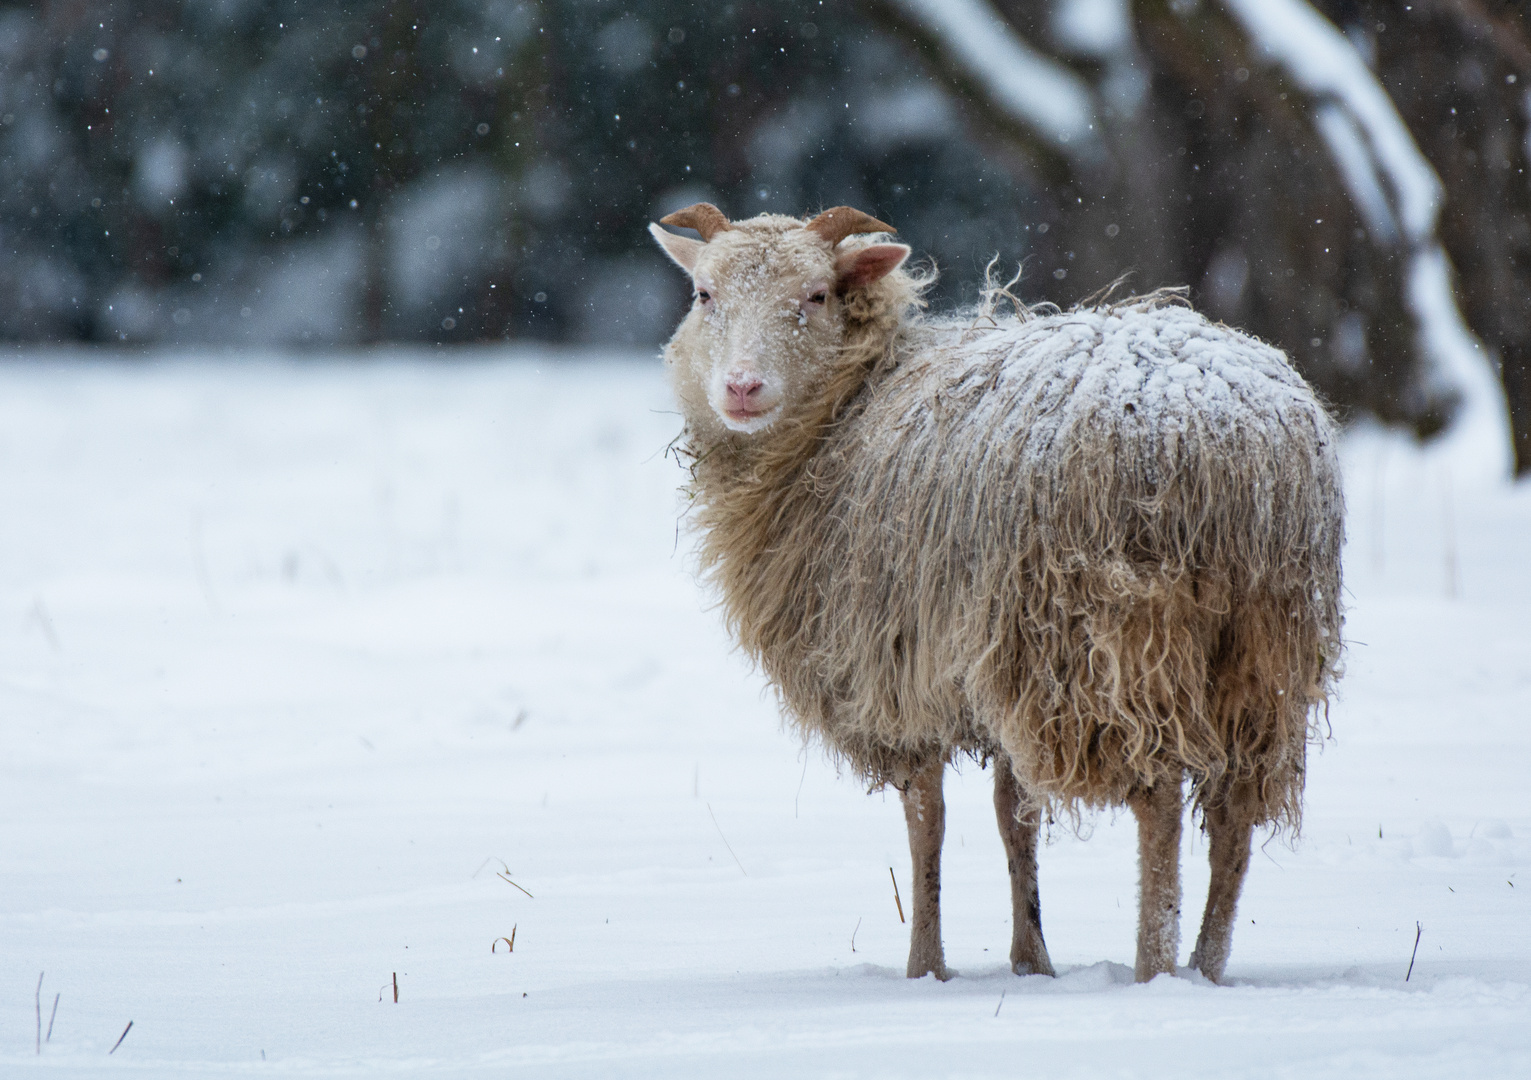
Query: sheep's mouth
(749, 421)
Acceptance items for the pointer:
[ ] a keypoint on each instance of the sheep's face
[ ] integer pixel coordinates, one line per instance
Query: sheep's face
(766, 320)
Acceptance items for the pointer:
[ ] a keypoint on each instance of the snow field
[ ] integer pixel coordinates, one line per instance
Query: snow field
(296, 658)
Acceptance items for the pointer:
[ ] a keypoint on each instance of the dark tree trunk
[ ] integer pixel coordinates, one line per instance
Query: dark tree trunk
(1216, 177)
(1459, 72)
(396, 89)
(1266, 208)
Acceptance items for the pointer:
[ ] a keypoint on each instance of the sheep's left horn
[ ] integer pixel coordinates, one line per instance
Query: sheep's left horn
(703, 217)
(842, 221)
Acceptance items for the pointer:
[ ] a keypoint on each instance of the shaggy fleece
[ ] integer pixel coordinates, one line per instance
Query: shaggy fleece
(1105, 542)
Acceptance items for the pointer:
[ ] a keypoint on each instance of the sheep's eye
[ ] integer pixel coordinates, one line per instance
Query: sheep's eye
(818, 297)
(704, 296)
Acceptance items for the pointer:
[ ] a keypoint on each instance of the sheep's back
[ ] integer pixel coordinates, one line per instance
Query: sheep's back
(1107, 541)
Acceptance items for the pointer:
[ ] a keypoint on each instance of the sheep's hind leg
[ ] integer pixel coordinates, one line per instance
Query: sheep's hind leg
(1230, 823)
(925, 814)
(1018, 830)
(1158, 812)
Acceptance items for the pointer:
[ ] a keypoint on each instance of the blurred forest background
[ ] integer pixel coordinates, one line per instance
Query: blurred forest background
(316, 173)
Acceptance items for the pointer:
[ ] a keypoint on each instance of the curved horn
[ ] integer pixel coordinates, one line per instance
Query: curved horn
(703, 217)
(842, 221)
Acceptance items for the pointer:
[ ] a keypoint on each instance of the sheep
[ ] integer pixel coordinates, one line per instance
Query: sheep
(1097, 548)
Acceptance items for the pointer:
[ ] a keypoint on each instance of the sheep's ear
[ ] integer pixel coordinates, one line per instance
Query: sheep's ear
(682, 249)
(860, 267)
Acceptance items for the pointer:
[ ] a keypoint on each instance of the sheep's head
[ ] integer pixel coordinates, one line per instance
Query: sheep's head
(770, 312)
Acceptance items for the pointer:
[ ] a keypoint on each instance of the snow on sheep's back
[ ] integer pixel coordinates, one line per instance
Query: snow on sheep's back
(309, 668)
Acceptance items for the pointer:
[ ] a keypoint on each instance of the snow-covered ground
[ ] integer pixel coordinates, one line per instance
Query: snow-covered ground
(300, 662)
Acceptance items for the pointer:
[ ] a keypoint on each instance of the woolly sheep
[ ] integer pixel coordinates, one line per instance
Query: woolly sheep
(1099, 548)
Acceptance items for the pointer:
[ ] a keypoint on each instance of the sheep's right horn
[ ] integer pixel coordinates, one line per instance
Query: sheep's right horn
(842, 221)
(703, 217)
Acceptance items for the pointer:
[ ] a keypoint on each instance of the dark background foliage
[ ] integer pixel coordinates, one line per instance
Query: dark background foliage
(238, 172)
(449, 171)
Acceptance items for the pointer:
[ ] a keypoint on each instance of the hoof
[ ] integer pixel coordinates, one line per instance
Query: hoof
(1028, 967)
(942, 973)
(1210, 967)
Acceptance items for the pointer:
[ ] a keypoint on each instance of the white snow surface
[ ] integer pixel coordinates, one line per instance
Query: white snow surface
(1034, 89)
(300, 661)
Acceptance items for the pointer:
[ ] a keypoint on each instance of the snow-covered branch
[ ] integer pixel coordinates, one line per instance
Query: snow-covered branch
(1325, 63)
(1375, 152)
(1031, 88)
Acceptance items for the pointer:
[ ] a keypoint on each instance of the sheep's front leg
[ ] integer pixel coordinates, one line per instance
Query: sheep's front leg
(1158, 812)
(1230, 824)
(925, 814)
(1018, 830)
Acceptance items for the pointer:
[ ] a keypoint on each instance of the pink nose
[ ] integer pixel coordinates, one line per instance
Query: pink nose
(743, 393)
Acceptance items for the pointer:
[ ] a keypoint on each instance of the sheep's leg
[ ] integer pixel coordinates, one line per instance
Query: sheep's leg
(1018, 830)
(1230, 824)
(925, 814)
(1158, 812)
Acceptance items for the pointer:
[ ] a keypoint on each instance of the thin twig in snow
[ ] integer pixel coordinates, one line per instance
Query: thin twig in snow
(118, 1043)
(1449, 540)
(40, 616)
(510, 941)
(896, 899)
(726, 844)
(507, 879)
(803, 780)
(38, 997)
(199, 562)
(1001, 1003)
(395, 987)
(51, 1017)
(853, 935)
(1417, 931)
(1378, 518)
